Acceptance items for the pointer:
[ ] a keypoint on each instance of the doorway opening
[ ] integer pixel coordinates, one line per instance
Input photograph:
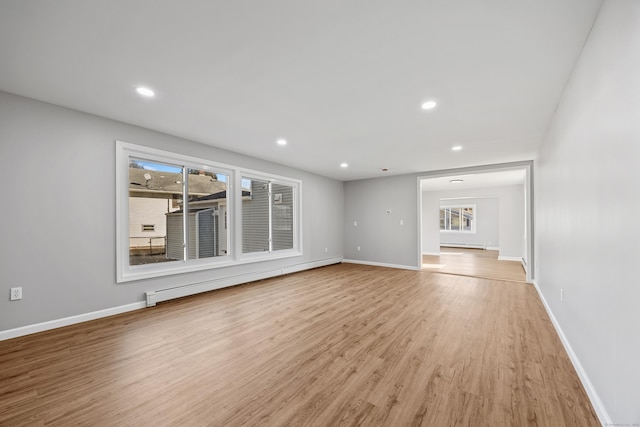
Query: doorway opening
(478, 222)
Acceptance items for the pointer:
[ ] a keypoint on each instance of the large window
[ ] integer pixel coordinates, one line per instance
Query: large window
(267, 215)
(177, 214)
(458, 218)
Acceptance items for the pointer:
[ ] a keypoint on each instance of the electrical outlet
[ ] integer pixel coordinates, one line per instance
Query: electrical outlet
(358, 247)
(561, 295)
(355, 223)
(326, 250)
(402, 222)
(16, 294)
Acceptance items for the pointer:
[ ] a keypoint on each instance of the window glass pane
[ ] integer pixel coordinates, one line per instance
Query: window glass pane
(176, 213)
(467, 218)
(255, 215)
(207, 206)
(282, 216)
(455, 219)
(155, 191)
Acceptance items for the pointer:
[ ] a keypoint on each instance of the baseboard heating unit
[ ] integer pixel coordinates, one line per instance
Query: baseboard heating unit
(154, 297)
(464, 245)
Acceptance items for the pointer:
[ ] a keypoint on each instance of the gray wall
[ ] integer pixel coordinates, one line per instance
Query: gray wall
(380, 236)
(512, 222)
(383, 240)
(487, 218)
(587, 202)
(430, 223)
(58, 219)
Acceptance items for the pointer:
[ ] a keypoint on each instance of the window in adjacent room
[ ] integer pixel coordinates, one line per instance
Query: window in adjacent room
(458, 219)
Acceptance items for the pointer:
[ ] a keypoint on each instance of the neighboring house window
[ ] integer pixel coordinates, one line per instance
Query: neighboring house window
(177, 213)
(458, 218)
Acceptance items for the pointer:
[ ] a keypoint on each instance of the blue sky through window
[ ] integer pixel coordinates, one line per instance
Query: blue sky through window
(162, 167)
(158, 167)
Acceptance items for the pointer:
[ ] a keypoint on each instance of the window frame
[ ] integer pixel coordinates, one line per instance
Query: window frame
(126, 272)
(296, 250)
(473, 222)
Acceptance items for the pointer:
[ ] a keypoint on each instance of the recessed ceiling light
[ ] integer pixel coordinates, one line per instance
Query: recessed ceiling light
(429, 105)
(344, 165)
(281, 141)
(145, 91)
(456, 148)
(456, 181)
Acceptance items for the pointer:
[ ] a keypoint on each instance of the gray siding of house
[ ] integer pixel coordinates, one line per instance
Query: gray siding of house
(207, 230)
(255, 219)
(282, 233)
(174, 236)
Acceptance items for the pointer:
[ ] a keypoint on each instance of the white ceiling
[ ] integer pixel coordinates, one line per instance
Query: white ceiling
(342, 81)
(475, 180)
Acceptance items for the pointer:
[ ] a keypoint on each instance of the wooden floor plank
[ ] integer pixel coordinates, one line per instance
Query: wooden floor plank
(474, 263)
(341, 345)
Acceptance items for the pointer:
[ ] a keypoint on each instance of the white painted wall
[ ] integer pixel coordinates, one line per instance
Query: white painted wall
(511, 214)
(486, 217)
(587, 189)
(145, 210)
(67, 265)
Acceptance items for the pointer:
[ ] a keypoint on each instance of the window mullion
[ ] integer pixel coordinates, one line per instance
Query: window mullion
(447, 219)
(270, 218)
(185, 214)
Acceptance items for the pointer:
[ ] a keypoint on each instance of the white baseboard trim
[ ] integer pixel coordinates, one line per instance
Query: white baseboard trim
(381, 264)
(164, 295)
(598, 406)
(310, 265)
(509, 258)
(431, 253)
(71, 320)
(493, 248)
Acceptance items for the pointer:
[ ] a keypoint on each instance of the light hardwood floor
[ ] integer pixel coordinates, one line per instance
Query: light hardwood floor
(340, 345)
(475, 263)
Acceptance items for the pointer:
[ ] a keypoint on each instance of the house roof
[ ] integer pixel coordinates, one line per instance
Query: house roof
(143, 182)
(220, 195)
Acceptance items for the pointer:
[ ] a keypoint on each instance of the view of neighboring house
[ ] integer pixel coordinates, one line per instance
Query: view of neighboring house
(155, 210)
(156, 214)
